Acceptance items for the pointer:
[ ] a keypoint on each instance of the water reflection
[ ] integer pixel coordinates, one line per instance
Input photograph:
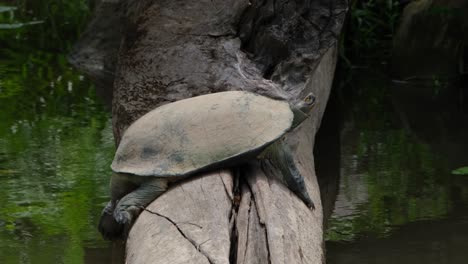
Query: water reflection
(54, 174)
(55, 140)
(431, 242)
(397, 201)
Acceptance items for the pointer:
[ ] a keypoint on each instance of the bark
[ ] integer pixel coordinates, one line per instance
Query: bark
(173, 50)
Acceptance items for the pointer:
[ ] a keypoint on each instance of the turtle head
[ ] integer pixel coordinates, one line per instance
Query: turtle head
(307, 103)
(303, 108)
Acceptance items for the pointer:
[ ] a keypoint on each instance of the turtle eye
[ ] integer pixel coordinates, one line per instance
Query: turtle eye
(310, 99)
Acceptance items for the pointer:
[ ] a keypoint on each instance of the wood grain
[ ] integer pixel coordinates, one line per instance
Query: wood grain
(187, 224)
(172, 50)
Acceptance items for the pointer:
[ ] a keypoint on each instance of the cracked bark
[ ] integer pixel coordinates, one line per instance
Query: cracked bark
(208, 244)
(176, 225)
(251, 244)
(171, 50)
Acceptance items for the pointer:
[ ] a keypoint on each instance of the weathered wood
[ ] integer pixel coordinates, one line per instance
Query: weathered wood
(172, 50)
(278, 228)
(178, 49)
(294, 233)
(252, 246)
(190, 223)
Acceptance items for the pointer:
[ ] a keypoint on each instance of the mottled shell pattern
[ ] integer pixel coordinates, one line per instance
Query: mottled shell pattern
(193, 134)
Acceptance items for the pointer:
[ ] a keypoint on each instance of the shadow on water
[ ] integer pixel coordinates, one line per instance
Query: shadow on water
(327, 150)
(55, 139)
(397, 200)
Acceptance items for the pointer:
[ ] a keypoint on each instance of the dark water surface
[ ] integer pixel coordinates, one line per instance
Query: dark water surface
(395, 148)
(55, 139)
(397, 199)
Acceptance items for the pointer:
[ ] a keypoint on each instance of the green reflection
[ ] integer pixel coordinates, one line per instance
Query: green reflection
(390, 177)
(461, 171)
(55, 138)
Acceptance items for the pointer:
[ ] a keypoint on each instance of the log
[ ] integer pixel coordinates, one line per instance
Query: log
(273, 225)
(173, 50)
(190, 223)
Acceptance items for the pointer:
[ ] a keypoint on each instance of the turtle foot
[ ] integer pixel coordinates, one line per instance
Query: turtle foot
(304, 196)
(125, 218)
(116, 225)
(311, 205)
(109, 228)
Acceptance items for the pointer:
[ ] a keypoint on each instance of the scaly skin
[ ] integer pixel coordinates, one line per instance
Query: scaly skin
(127, 202)
(279, 155)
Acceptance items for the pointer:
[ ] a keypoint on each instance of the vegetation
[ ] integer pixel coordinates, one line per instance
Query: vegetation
(55, 137)
(461, 171)
(369, 29)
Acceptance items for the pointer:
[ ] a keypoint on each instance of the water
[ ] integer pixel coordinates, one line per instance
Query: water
(55, 140)
(397, 200)
(393, 149)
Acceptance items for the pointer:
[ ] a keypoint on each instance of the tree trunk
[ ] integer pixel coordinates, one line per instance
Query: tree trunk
(173, 50)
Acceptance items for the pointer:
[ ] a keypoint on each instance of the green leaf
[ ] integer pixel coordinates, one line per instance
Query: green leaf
(7, 8)
(461, 171)
(19, 25)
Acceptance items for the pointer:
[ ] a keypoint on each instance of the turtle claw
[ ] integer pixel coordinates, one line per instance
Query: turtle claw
(122, 217)
(109, 228)
(127, 215)
(125, 219)
(109, 208)
(304, 196)
(116, 225)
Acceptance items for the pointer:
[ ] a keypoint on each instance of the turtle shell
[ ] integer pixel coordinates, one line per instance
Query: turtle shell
(200, 132)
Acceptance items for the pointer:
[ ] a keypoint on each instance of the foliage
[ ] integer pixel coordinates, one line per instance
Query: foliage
(58, 23)
(33, 56)
(461, 171)
(370, 28)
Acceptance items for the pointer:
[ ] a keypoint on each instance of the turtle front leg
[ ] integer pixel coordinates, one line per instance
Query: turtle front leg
(107, 226)
(280, 156)
(129, 207)
(120, 185)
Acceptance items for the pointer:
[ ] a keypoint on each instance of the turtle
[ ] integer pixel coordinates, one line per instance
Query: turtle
(206, 132)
